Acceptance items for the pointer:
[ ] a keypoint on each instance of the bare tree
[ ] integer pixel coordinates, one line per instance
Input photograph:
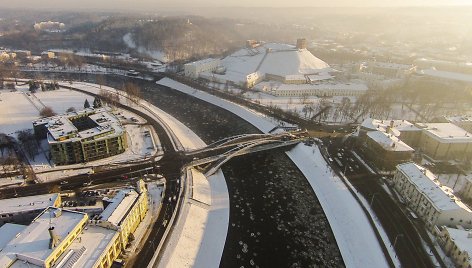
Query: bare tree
(133, 92)
(4, 142)
(47, 112)
(28, 142)
(100, 80)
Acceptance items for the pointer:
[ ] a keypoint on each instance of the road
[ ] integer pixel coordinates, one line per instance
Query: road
(395, 222)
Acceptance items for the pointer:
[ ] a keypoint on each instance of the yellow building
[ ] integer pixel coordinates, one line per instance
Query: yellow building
(44, 241)
(445, 141)
(65, 238)
(457, 244)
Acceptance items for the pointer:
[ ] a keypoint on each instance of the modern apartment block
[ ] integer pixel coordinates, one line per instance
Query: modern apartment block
(82, 136)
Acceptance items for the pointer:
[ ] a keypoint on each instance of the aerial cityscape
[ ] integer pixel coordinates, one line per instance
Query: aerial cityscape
(235, 134)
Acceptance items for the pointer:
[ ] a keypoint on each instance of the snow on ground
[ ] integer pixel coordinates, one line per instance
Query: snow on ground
(155, 198)
(18, 109)
(198, 238)
(187, 138)
(354, 234)
(453, 181)
(16, 112)
(356, 239)
(46, 176)
(62, 99)
(201, 191)
(11, 180)
(140, 141)
(263, 122)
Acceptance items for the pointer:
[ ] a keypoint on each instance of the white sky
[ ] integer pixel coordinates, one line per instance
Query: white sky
(156, 4)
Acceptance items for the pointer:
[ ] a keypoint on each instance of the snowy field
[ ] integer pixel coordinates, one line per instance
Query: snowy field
(18, 109)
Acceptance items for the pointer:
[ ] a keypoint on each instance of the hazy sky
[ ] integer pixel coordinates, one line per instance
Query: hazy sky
(156, 4)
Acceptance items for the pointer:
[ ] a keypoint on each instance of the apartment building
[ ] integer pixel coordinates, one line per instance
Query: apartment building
(82, 136)
(434, 203)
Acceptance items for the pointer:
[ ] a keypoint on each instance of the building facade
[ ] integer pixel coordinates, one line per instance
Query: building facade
(437, 141)
(457, 244)
(194, 69)
(64, 238)
(445, 141)
(464, 122)
(434, 203)
(83, 136)
(385, 150)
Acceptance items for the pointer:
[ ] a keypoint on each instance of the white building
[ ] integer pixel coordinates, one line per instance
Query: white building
(384, 75)
(323, 89)
(462, 121)
(430, 200)
(387, 69)
(457, 244)
(445, 77)
(194, 69)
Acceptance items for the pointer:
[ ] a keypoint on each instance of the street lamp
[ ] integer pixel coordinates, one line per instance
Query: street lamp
(396, 239)
(372, 199)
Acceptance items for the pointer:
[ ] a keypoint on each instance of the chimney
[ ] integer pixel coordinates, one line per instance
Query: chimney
(301, 43)
(54, 238)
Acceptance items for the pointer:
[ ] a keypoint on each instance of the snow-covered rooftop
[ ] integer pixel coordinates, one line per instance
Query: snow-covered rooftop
(383, 125)
(446, 132)
(27, 203)
(204, 61)
(8, 231)
(462, 239)
(271, 58)
(120, 205)
(389, 142)
(62, 127)
(425, 181)
(447, 75)
(391, 65)
(95, 240)
(459, 118)
(32, 244)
